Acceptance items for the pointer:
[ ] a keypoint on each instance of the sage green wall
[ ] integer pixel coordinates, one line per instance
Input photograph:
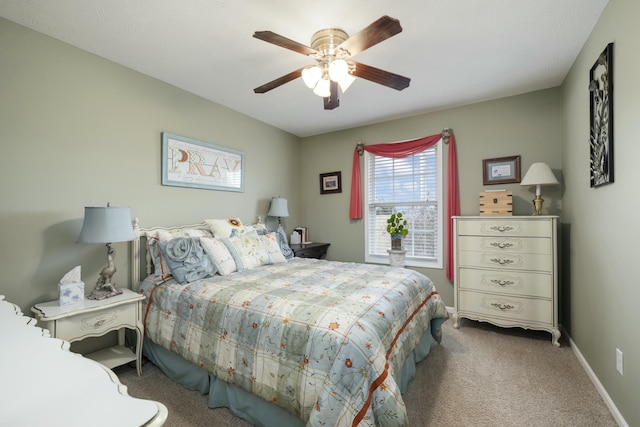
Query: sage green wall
(77, 130)
(604, 227)
(528, 125)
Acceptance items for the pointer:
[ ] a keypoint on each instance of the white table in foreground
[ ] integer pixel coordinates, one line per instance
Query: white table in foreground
(43, 383)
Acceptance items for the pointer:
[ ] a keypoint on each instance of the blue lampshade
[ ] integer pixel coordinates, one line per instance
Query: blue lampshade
(278, 207)
(106, 225)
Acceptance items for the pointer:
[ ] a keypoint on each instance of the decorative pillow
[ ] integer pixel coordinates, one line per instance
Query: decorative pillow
(270, 242)
(161, 268)
(282, 242)
(220, 255)
(187, 259)
(247, 250)
(224, 227)
(258, 227)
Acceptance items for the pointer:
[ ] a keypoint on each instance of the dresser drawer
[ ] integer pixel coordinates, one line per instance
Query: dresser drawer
(497, 227)
(531, 245)
(96, 323)
(509, 282)
(507, 307)
(505, 261)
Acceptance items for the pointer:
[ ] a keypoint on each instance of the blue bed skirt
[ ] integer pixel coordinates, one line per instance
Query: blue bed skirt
(243, 404)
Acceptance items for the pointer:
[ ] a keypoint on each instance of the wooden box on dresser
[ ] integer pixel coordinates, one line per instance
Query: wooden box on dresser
(506, 271)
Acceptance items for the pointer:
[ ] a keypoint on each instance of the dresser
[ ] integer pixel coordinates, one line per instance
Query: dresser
(506, 271)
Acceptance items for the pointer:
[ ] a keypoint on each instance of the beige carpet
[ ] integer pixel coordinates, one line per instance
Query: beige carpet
(480, 375)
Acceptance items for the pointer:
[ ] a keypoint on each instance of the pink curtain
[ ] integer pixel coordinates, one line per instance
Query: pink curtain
(404, 149)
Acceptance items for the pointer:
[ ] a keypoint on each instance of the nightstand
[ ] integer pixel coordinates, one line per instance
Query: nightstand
(310, 250)
(94, 318)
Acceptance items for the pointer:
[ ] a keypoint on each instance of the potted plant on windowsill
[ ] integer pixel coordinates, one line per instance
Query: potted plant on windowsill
(397, 228)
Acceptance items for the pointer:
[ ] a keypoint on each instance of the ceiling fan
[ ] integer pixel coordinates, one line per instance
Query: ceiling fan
(332, 49)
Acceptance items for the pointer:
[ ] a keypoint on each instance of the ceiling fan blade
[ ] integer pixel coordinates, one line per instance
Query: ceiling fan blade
(278, 40)
(332, 101)
(385, 78)
(279, 81)
(375, 33)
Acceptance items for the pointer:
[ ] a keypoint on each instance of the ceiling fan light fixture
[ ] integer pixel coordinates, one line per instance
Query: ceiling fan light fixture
(346, 82)
(323, 88)
(311, 76)
(338, 70)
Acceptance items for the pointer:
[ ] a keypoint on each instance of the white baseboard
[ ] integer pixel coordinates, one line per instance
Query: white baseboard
(594, 379)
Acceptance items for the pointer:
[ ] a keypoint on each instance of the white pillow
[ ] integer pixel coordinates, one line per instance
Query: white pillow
(220, 255)
(224, 227)
(270, 242)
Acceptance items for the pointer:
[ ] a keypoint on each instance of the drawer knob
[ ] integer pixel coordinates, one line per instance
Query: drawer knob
(501, 245)
(502, 282)
(502, 261)
(502, 228)
(503, 306)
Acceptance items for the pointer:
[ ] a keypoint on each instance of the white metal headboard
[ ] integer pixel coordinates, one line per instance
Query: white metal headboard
(139, 250)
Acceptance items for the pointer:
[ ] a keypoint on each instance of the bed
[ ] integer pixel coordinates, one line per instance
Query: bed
(277, 339)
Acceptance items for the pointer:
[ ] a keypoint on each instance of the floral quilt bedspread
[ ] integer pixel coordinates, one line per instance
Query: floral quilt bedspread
(321, 339)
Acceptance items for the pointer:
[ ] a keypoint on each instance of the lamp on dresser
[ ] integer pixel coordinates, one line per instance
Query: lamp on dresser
(539, 174)
(106, 225)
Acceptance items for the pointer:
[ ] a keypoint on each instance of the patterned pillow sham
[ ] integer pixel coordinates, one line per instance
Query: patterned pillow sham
(270, 242)
(247, 250)
(187, 259)
(224, 227)
(220, 255)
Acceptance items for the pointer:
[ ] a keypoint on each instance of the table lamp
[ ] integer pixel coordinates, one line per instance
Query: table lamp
(539, 174)
(278, 208)
(107, 225)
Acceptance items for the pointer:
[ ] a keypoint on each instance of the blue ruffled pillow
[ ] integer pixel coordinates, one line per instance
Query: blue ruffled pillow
(187, 259)
(282, 242)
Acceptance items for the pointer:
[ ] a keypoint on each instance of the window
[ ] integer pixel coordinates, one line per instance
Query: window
(413, 186)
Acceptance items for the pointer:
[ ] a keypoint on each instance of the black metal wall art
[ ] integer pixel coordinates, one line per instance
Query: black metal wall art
(601, 108)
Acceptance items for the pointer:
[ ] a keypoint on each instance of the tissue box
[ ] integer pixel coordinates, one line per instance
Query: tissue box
(71, 293)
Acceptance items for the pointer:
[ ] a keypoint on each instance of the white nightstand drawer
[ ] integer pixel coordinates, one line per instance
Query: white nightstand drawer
(508, 282)
(508, 307)
(531, 245)
(96, 323)
(506, 227)
(505, 260)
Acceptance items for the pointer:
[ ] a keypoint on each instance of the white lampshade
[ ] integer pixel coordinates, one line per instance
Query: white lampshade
(106, 225)
(278, 207)
(346, 82)
(311, 75)
(338, 70)
(323, 88)
(539, 174)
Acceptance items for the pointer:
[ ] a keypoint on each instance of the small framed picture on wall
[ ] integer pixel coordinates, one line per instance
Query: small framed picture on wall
(331, 182)
(501, 170)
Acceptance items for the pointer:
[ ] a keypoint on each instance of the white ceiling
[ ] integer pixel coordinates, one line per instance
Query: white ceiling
(456, 52)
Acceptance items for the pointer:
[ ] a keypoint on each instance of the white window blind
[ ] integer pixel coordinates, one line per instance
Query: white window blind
(411, 185)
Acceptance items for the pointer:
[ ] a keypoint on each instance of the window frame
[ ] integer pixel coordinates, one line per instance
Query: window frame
(410, 261)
